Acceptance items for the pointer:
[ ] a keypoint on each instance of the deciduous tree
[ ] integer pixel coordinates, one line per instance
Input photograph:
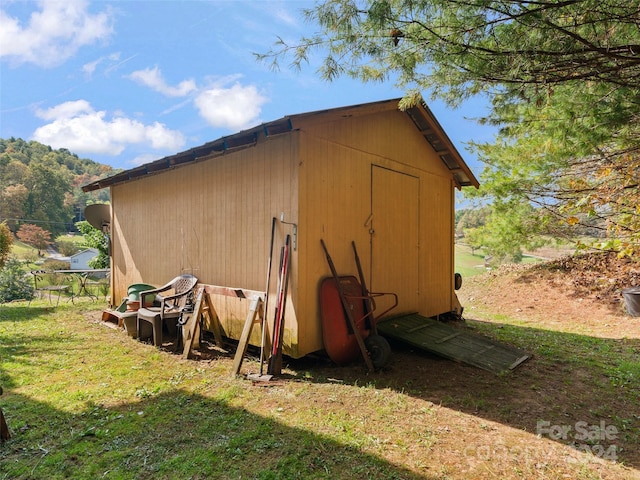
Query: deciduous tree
(6, 241)
(47, 193)
(35, 236)
(12, 200)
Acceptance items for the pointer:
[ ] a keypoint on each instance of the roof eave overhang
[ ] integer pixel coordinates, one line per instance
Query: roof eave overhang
(434, 134)
(420, 114)
(222, 146)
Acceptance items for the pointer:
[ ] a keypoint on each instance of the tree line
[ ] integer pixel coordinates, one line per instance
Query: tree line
(40, 186)
(41, 198)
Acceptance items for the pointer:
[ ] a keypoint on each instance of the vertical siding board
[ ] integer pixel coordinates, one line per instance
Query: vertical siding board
(313, 215)
(303, 286)
(234, 225)
(395, 260)
(230, 247)
(292, 331)
(243, 220)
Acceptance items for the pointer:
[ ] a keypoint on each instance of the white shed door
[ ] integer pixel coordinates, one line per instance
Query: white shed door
(394, 228)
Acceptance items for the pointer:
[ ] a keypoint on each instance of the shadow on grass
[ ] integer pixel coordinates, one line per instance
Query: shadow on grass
(21, 346)
(22, 311)
(575, 382)
(173, 435)
(571, 378)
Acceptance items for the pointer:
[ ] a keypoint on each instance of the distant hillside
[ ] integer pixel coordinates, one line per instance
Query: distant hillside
(41, 185)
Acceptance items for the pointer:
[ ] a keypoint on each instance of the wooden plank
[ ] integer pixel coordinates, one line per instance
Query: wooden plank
(231, 291)
(420, 327)
(214, 319)
(518, 362)
(4, 428)
(448, 337)
(480, 352)
(191, 330)
(255, 314)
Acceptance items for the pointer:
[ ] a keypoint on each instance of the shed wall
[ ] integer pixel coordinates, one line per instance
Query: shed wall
(212, 219)
(336, 205)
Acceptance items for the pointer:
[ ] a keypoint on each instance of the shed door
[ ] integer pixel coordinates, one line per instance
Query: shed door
(395, 217)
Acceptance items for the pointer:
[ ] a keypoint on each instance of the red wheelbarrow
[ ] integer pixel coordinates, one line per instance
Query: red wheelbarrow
(348, 320)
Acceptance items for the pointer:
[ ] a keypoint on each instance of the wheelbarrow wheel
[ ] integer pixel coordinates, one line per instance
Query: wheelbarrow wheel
(379, 350)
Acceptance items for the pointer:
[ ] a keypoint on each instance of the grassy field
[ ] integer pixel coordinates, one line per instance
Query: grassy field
(85, 401)
(469, 263)
(22, 250)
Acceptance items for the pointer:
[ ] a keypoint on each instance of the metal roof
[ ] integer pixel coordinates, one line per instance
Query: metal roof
(420, 114)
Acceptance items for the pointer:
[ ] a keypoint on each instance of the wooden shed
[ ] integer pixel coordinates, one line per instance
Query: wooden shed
(370, 173)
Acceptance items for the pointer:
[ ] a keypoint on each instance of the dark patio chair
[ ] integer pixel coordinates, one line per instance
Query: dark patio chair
(169, 307)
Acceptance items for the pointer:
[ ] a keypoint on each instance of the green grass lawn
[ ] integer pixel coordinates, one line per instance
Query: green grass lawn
(84, 401)
(468, 264)
(22, 250)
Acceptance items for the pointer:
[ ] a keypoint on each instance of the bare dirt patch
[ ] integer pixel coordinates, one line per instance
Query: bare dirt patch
(575, 294)
(570, 314)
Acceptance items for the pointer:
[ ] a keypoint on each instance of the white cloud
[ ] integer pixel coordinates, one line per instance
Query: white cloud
(81, 129)
(144, 158)
(234, 108)
(152, 78)
(89, 68)
(66, 110)
(54, 33)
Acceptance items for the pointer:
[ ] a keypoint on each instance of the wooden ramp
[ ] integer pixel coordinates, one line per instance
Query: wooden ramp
(452, 342)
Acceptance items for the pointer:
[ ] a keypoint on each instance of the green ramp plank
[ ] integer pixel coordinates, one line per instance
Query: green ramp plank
(452, 342)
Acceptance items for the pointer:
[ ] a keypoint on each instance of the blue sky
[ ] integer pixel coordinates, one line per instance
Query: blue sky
(127, 82)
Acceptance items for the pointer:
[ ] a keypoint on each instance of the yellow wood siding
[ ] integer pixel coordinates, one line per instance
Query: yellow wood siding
(213, 218)
(335, 194)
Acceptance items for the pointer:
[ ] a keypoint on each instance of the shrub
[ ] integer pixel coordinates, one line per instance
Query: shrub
(15, 283)
(54, 264)
(67, 248)
(6, 241)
